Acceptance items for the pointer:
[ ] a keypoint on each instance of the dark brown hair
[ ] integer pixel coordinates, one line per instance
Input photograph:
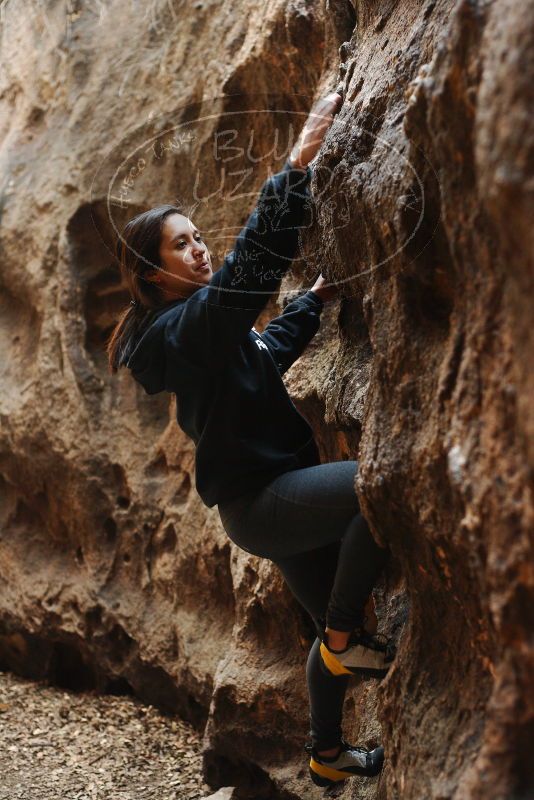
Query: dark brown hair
(137, 252)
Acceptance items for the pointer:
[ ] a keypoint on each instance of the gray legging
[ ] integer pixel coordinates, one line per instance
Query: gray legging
(308, 522)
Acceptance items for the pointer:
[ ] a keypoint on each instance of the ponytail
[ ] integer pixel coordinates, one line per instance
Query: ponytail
(120, 342)
(137, 252)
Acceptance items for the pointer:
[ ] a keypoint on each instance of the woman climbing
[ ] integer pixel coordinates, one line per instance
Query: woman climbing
(190, 331)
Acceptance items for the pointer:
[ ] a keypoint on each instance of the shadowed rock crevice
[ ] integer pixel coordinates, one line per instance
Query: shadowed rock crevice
(97, 289)
(72, 664)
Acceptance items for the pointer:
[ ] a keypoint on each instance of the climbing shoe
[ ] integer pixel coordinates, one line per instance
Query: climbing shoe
(350, 761)
(366, 654)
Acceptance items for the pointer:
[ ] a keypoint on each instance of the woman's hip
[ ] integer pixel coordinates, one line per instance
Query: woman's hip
(297, 511)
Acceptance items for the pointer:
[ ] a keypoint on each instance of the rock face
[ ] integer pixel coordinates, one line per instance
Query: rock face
(114, 574)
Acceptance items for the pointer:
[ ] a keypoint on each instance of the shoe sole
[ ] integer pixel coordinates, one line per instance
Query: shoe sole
(323, 776)
(337, 668)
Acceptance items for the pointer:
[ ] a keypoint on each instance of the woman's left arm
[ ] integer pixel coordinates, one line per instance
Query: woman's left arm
(288, 334)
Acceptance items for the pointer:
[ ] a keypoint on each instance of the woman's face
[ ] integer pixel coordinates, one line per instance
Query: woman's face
(184, 257)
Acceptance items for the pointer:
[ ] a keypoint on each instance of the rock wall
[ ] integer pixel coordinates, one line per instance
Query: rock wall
(114, 575)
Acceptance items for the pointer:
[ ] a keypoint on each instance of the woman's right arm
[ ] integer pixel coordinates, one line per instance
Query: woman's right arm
(217, 317)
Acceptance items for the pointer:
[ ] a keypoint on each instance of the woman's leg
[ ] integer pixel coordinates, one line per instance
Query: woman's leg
(360, 564)
(290, 521)
(326, 693)
(303, 510)
(310, 576)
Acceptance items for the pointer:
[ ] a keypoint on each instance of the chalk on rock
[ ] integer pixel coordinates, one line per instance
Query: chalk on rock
(226, 793)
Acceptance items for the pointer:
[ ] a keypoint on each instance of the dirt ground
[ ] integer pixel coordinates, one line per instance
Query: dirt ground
(61, 745)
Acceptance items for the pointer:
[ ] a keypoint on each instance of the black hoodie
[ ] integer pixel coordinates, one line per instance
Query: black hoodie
(230, 396)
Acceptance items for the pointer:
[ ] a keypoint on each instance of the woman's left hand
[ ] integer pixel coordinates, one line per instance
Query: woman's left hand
(326, 291)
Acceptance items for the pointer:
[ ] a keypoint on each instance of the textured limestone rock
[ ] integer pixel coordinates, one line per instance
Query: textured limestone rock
(226, 793)
(113, 573)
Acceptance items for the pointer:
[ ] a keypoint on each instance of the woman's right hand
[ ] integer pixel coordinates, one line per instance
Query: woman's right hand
(311, 137)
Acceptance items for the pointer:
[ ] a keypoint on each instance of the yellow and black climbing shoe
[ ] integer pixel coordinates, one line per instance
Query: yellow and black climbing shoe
(350, 761)
(366, 654)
